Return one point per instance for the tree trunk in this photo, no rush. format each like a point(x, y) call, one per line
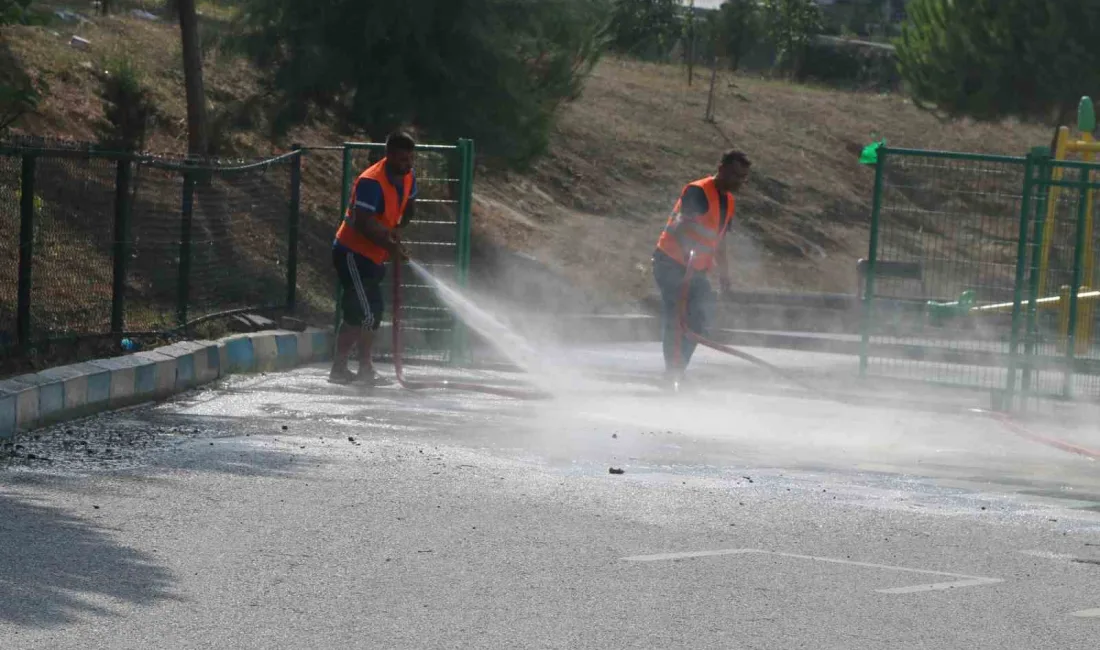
point(192, 74)
point(709, 116)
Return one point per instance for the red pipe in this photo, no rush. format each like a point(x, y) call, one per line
point(683, 330)
point(399, 366)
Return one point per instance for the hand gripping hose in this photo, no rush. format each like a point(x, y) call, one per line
point(683, 330)
point(399, 366)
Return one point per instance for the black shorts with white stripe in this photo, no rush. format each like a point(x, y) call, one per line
point(360, 288)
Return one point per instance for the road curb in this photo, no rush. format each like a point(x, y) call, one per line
point(81, 389)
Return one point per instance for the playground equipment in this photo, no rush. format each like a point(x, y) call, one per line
point(1083, 310)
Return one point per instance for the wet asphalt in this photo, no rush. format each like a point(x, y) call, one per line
point(280, 511)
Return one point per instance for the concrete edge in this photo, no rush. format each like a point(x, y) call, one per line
point(81, 389)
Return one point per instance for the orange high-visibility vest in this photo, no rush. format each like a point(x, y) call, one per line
point(703, 234)
point(392, 211)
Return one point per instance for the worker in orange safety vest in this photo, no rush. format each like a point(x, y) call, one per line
point(383, 200)
point(699, 222)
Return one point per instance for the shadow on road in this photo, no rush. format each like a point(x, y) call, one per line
point(56, 568)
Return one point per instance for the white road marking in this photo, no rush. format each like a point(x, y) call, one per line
point(1088, 613)
point(962, 580)
point(1046, 555)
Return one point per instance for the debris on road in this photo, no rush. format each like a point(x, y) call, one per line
point(615, 470)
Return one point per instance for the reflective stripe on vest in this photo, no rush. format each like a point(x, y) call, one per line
point(393, 208)
point(702, 234)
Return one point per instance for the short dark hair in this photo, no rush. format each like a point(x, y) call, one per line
point(735, 156)
point(400, 141)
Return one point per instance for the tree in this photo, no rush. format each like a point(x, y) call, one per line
point(192, 76)
point(989, 59)
point(494, 70)
point(739, 28)
point(791, 24)
point(13, 11)
point(647, 29)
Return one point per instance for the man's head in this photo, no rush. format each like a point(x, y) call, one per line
point(733, 170)
point(399, 153)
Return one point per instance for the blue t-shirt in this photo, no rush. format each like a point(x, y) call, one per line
point(369, 196)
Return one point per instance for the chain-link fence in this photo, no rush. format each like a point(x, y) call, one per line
point(979, 273)
point(96, 243)
point(106, 243)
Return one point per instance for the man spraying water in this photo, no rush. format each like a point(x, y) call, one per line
point(383, 201)
point(699, 222)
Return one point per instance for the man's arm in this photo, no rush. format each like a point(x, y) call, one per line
point(693, 204)
point(364, 216)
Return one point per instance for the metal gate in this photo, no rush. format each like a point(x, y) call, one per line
point(979, 272)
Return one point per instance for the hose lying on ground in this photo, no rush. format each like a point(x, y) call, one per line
point(683, 330)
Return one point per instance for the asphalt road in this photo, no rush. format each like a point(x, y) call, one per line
point(282, 512)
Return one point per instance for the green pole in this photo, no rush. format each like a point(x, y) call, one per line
point(1046, 171)
point(1018, 285)
point(183, 288)
point(872, 257)
point(26, 251)
point(121, 253)
point(345, 194)
point(292, 229)
point(459, 344)
point(1075, 284)
point(466, 216)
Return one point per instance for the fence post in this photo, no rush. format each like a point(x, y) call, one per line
point(121, 252)
point(872, 257)
point(1075, 285)
point(1018, 286)
point(183, 289)
point(465, 215)
point(1045, 175)
point(26, 251)
point(292, 229)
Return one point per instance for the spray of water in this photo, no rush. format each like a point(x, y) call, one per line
point(549, 376)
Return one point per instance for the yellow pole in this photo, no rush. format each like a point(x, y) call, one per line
point(1087, 156)
point(1084, 321)
point(1086, 309)
point(1063, 318)
point(1052, 207)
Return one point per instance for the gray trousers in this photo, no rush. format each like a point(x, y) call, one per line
point(669, 276)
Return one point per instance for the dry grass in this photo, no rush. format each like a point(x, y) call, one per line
point(590, 210)
point(595, 205)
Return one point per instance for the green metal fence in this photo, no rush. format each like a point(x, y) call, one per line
point(975, 268)
point(96, 243)
point(438, 239)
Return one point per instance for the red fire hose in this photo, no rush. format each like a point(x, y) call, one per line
point(683, 330)
point(399, 366)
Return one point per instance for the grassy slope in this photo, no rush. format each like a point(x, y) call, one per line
point(623, 151)
point(591, 210)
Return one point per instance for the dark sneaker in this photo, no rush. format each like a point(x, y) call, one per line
point(370, 377)
point(341, 375)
